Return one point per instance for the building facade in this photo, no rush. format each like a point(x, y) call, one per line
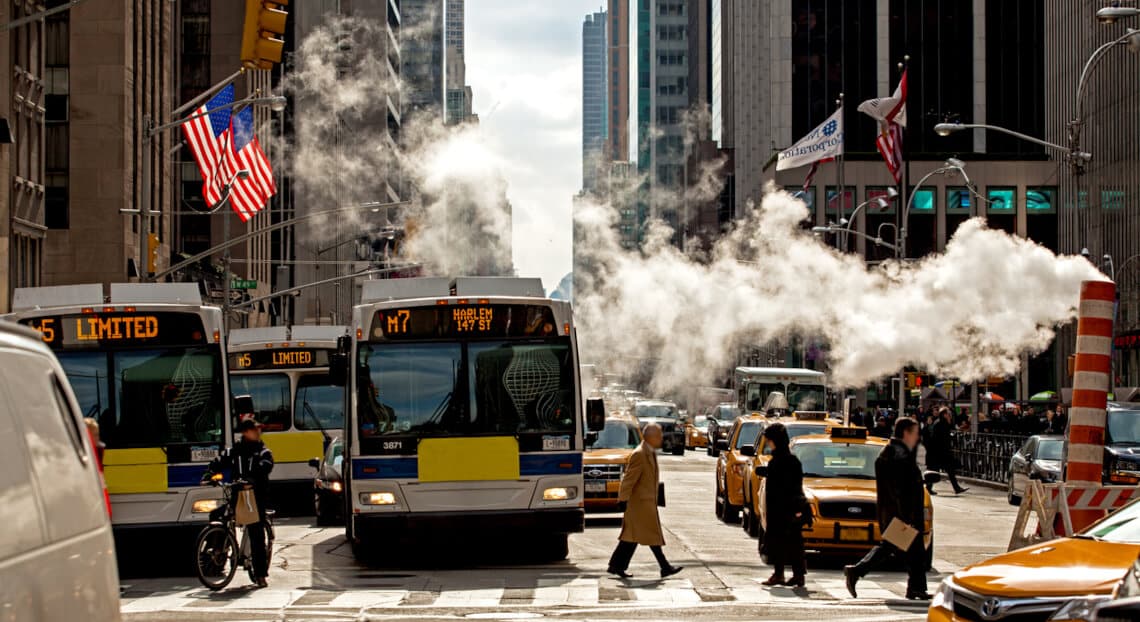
point(424, 57)
point(618, 81)
point(664, 135)
point(595, 99)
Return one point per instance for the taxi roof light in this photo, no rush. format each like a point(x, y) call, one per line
point(849, 433)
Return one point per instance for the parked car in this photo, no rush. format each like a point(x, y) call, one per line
point(1038, 458)
point(696, 432)
point(328, 485)
point(664, 414)
point(720, 419)
point(57, 556)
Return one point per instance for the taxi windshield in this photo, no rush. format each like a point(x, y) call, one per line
point(749, 434)
point(700, 421)
point(1121, 526)
point(853, 461)
point(617, 435)
point(726, 413)
point(655, 411)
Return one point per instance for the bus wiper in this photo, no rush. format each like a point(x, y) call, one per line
point(308, 410)
point(441, 409)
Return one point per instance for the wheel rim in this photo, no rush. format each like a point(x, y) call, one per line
point(215, 556)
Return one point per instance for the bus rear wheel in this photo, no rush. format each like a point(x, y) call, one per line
point(554, 548)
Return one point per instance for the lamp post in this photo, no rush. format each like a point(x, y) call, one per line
point(946, 129)
point(150, 130)
point(951, 165)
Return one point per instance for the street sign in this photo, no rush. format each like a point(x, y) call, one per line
point(243, 284)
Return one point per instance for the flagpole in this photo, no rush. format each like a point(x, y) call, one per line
point(840, 175)
point(906, 168)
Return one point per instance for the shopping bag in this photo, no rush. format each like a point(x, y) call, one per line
point(245, 510)
point(899, 534)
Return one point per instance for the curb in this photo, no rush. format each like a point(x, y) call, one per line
point(984, 483)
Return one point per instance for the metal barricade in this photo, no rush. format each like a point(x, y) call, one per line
point(985, 456)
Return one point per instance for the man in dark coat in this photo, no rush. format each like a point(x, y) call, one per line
point(899, 492)
point(940, 452)
point(783, 540)
point(250, 460)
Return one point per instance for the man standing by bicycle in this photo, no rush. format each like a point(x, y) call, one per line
point(250, 460)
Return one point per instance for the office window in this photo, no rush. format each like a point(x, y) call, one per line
point(1001, 200)
point(923, 201)
point(938, 35)
point(1112, 199)
point(833, 53)
point(959, 200)
point(1015, 74)
point(1041, 200)
point(807, 197)
point(832, 193)
point(56, 212)
point(874, 192)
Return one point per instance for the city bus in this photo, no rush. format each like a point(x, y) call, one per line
point(147, 364)
point(285, 370)
point(465, 413)
point(805, 389)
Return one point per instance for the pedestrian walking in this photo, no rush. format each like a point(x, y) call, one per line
point(250, 460)
point(898, 489)
point(638, 495)
point(785, 502)
point(940, 451)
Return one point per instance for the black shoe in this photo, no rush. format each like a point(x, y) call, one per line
point(852, 579)
point(669, 571)
point(961, 490)
point(796, 581)
point(262, 582)
point(621, 573)
point(776, 579)
point(918, 596)
point(932, 493)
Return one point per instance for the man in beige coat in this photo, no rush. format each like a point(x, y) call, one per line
point(640, 523)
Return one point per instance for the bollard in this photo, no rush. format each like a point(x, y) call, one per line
point(1085, 457)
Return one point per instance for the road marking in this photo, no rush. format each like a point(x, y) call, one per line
point(361, 599)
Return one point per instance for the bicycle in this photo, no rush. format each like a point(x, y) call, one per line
point(217, 550)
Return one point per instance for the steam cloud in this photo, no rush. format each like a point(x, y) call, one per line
point(458, 221)
point(968, 312)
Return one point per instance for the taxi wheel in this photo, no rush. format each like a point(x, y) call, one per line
point(719, 511)
point(731, 512)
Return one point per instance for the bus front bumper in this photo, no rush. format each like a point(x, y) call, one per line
point(561, 520)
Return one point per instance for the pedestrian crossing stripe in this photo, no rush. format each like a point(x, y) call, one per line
point(598, 592)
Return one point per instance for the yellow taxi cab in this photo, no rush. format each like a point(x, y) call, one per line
point(696, 432)
point(839, 482)
point(731, 463)
point(800, 424)
point(604, 461)
point(1062, 579)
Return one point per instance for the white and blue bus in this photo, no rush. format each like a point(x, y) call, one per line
point(285, 371)
point(465, 413)
point(148, 364)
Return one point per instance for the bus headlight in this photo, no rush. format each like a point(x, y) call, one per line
point(336, 487)
point(377, 498)
point(205, 506)
point(560, 493)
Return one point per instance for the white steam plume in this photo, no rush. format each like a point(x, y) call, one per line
point(968, 312)
point(348, 150)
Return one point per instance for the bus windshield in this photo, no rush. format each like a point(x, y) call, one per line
point(150, 397)
point(757, 394)
point(270, 394)
point(319, 404)
point(805, 396)
point(465, 388)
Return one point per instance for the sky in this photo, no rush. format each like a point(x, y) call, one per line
point(525, 70)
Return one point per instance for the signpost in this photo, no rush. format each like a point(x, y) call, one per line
point(243, 284)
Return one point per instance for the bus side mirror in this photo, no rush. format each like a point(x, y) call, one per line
point(338, 361)
point(595, 414)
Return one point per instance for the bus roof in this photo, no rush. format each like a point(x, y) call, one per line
point(384, 290)
point(278, 334)
point(786, 372)
point(91, 294)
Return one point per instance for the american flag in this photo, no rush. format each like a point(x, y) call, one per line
point(889, 143)
point(891, 114)
point(223, 144)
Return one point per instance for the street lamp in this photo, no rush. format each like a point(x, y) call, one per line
point(838, 229)
point(1131, 38)
point(1109, 14)
point(952, 165)
point(881, 201)
point(946, 129)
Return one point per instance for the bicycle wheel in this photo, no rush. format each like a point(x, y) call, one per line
point(216, 553)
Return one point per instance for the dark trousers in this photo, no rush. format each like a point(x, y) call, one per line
point(257, 548)
point(624, 552)
point(914, 558)
point(952, 475)
point(790, 553)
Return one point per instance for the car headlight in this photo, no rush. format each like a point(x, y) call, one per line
point(561, 493)
point(336, 487)
point(1079, 608)
point(377, 498)
point(205, 506)
point(944, 597)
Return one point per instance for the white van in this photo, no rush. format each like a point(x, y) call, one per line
point(57, 555)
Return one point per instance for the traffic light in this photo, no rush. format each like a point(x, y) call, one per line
point(261, 37)
point(152, 252)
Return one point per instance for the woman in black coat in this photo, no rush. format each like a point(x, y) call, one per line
point(783, 510)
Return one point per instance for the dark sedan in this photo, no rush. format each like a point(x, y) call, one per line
point(720, 421)
point(328, 485)
point(1039, 458)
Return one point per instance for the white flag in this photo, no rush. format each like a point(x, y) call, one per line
point(825, 141)
point(888, 109)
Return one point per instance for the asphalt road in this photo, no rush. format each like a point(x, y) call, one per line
point(314, 576)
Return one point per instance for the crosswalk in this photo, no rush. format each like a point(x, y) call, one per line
point(563, 592)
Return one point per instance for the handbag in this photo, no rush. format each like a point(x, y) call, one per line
point(661, 494)
point(245, 508)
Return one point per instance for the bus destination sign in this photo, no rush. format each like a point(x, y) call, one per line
point(278, 358)
point(457, 321)
point(93, 330)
